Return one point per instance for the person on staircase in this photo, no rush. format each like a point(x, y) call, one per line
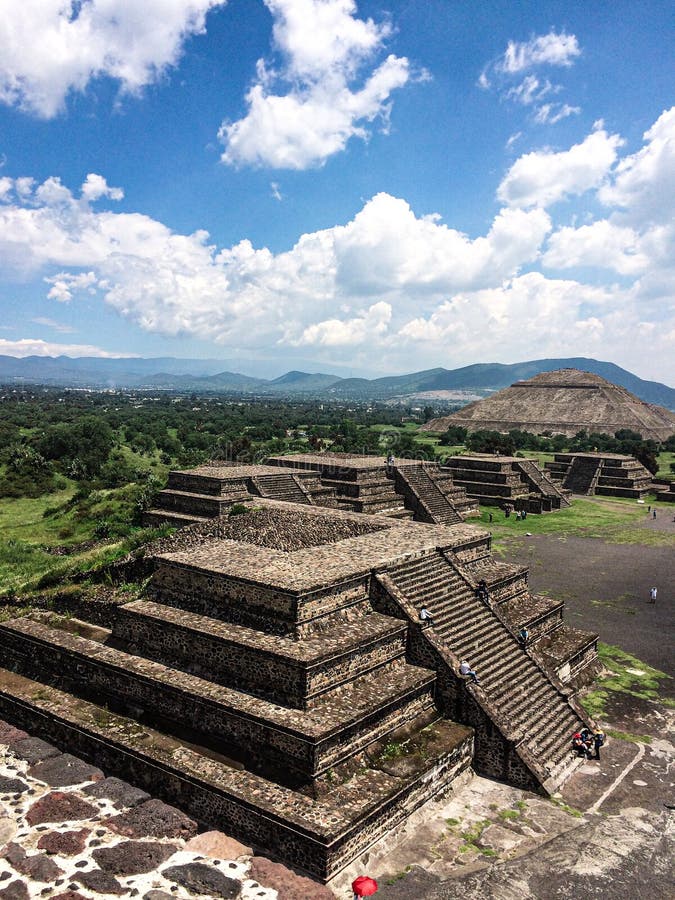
point(425, 616)
point(482, 592)
point(523, 636)
point(465, 669)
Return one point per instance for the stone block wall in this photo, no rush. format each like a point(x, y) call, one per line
point(189, 642)
point(231, 725)
point(253, 604)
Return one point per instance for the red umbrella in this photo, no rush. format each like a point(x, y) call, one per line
point(363, 886)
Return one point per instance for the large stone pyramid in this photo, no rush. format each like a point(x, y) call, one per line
point(562, 402)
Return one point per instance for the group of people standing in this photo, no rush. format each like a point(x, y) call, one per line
point(587, 743)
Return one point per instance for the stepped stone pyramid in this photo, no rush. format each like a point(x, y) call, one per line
point(507, 481)
point(365, 484)
point(610, 474)
point(562, 402)
point(278, 656)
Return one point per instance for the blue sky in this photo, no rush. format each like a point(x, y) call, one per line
point(368, 187)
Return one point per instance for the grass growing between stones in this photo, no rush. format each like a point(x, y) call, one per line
point(615, 521)
point(627, 675)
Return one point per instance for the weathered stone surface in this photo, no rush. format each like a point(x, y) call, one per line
point(65, 843)
point(63, 770)
point(68, 895)
point(289, 885)
point(15, 890)
point(158, 895)
point(496, 837)
point(7, 830)
point(133, 857)
point(217, 845)
point(9, 734)
point(12, 785)
point(58, 806)
point(118, 792)
point(200, 879)
point(153, 819)
point(101, 882)
point(38, 867)
point(34, 750)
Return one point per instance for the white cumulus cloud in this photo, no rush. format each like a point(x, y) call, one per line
point(543, 177)
point(638, 236)
point(367, 326)
point(49, 48)
point(326, 101)
point(644, 183)
point(35, 347)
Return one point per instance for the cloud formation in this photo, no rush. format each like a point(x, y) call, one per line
point(544, 177)
point(557, 49)
point(389, 284)
point(34, 347)
point(49, 48)
point(552, 49)
point(306, 111)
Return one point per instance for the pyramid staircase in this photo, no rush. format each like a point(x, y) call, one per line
point(542, 483)
point(511, 681)
point(421, 490)
point(281, 487)
point(275, 734)
point(582, 475)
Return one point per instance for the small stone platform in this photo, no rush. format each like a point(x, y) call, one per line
point(507, 481)
point(608, 474)
point(364, 484)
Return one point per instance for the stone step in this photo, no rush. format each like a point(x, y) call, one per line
point(192, 503)
point(296, 744)
point(509, 678)
point(156, 516)
point(318, 836)
point(286, 671)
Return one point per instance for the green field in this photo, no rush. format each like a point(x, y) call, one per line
point(616, 520)
point(47, 538)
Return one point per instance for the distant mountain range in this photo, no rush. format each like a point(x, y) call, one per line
point(205, 376)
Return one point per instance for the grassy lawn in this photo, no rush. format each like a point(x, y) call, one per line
point(615, 520)
point(30, 528)
point(664, 460)
point(625, 675)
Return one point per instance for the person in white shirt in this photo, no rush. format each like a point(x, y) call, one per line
point(426, 617)
point(465, 669)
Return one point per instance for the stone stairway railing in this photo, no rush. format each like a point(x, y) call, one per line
point(582, 475)
point(535, 712)
point(417, 486)
point(537, 478)
point(281, 487)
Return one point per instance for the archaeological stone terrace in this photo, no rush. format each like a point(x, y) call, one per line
point(275, 680)
point(563, 402)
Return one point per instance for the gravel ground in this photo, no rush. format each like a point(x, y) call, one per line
point(605, 587)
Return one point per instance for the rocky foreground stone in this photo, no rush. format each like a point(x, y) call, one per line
point(68, 832)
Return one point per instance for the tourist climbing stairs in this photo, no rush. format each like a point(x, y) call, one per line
point(541, 482)
point(509, 677)
point(582, 475)
point(281, 487)
point(419, 486)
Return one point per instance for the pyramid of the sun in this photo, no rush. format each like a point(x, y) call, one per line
point(562, 402)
